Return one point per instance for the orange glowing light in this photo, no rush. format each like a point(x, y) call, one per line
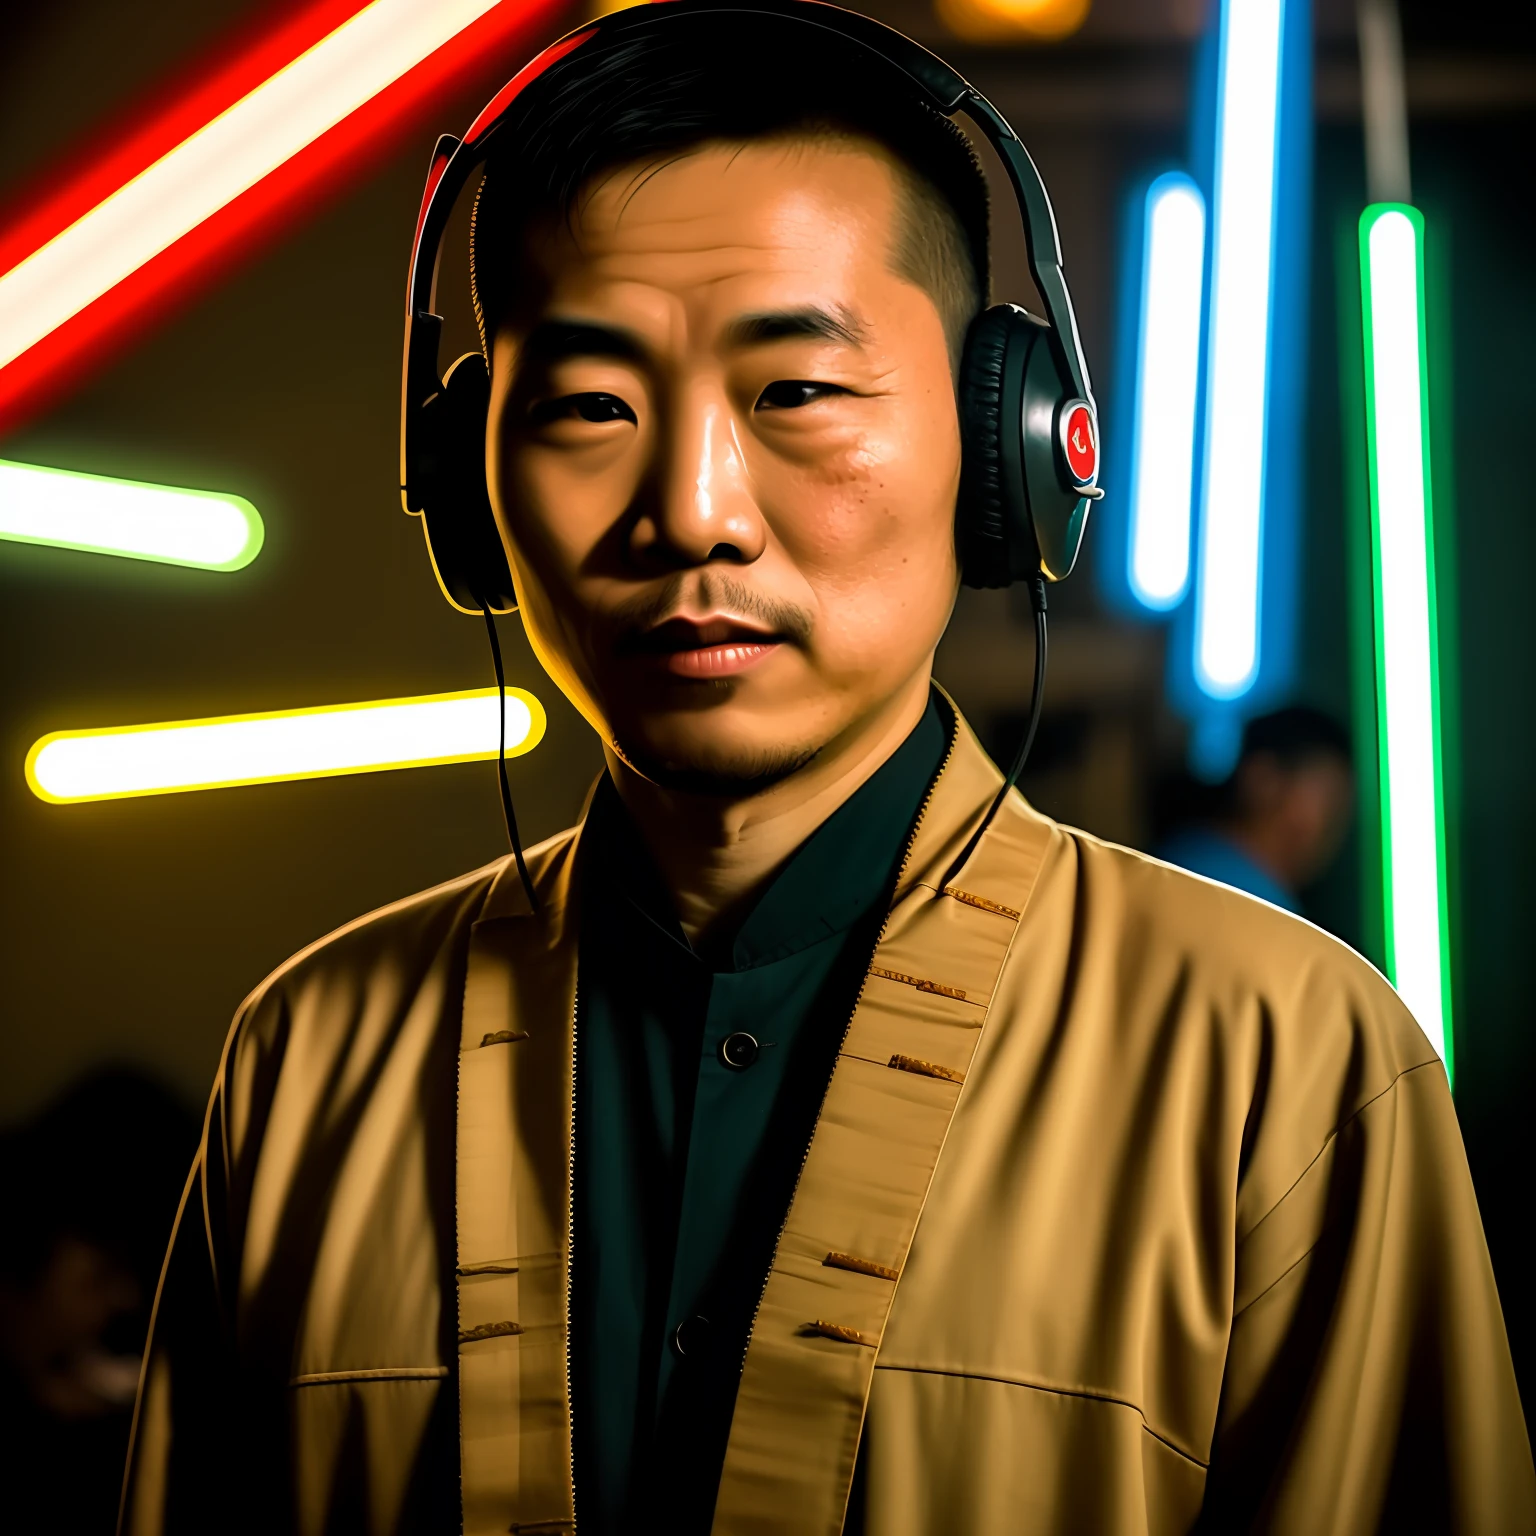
point(990, 21)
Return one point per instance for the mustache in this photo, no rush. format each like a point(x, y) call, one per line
point(633, 619)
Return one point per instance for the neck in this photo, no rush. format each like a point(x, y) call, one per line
point(717, 854)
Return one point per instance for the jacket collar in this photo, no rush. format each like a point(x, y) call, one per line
point(961, 793)
point(818, 1329)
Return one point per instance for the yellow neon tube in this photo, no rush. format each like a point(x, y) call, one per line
point(164, 523)
point(67, 767)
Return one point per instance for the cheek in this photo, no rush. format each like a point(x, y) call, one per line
point(557, 512)
point(1310, 812)
point(556, 508)
point(552, 625)
point(872, 532)
point(550, 529)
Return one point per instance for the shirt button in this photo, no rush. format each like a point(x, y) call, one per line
point(739, 1050)
point(691, 1338)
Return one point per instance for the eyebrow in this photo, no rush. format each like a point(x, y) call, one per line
point(551, 341)
point(810, 323)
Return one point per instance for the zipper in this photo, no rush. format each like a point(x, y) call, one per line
point(805, 1156)
point(570, 1260)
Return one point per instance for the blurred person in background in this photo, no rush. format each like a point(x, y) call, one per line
point(88, 1192)
point(1279, 821)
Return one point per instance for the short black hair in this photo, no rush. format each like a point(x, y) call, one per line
point(1295, 735)
point(732, 78)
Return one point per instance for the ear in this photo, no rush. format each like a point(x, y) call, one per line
point(462, 537)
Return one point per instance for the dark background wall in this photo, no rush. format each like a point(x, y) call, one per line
point(1467, 173)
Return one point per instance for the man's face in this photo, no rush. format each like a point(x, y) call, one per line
point(1301, 811)
point(1318, 806)
point(724, 456)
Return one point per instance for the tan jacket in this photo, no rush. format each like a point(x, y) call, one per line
point(1134, 1205)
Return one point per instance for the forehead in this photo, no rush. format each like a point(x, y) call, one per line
point(726, 227)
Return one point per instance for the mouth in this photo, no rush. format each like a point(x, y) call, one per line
point(705, 649)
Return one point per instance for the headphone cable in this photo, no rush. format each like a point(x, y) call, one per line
point(508, 814)
point(1021, 756)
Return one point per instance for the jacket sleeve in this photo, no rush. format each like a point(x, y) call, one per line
point(1368, 1383)
point(184, 1423)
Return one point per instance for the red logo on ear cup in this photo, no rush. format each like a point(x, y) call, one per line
point(1080, 441)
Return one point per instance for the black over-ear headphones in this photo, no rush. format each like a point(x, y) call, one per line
point(1029, 427)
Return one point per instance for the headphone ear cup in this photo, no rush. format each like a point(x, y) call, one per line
point(994, 533)
point(462, 537)
point(1058, 502)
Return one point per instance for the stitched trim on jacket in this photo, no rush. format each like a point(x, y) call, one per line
point(851, 1261)
point(1055, 1391)
point(842, 1333)
point(381, 1373)
point(503, 1037)
point(489, 1331)
point(920, 983)
point(981, 901)
point(925, 1068)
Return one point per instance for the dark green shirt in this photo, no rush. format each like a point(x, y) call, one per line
point(697, 1090)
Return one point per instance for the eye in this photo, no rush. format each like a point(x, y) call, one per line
point(790, 394)
point(586, 407)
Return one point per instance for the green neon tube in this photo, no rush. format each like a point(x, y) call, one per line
point(1412, 797)
point(208, 530)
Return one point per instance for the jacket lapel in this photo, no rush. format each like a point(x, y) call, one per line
point(894, 1088)
point(514, 1141)
point(893, 1092)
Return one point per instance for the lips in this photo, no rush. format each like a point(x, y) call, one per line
point(705, 649)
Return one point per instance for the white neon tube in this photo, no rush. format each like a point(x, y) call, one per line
point(1407, 672)
point(228, 156)
point(69, 766)
point(163, 523)
point(1167, 386)
point(1232, 493)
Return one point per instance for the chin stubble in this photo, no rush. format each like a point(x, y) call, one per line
point(726, 781)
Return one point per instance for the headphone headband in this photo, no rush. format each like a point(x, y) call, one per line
point(454, 161)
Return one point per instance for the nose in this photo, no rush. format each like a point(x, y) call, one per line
point(702, 507)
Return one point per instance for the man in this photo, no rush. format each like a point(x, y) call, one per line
point(1119, 1202)
point(1283, 813)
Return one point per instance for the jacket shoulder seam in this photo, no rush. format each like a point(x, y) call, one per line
point(1301, 1258)
point(1332, 1137)
point(445, 891)
point(1054, 1389)
point(390, 1373)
